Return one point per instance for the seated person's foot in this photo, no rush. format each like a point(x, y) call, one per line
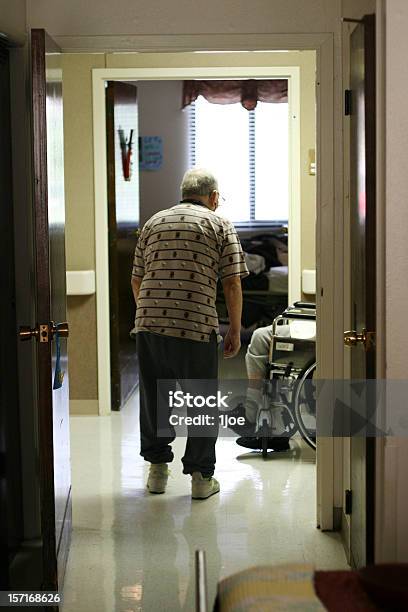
point(238, 412)
point(276, 444)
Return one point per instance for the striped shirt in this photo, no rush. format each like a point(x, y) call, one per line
point(180, 254)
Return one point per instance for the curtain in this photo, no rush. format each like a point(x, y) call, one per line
point(248, 92)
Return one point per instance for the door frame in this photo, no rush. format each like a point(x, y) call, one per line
point(100, 76)
point(120, 389)
point(329, 214)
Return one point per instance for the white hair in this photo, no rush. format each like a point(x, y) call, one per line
point(198, 181)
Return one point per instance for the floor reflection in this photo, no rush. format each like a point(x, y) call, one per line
point(134, 551)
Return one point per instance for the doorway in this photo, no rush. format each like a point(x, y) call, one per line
point(330, 317)
point(327, 222)
point(294, 229)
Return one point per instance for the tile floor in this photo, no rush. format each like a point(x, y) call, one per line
point(132, 551)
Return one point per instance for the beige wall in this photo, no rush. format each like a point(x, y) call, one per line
point(80, 224)
point(78, 145)
point(13, 19)
point(80, 205)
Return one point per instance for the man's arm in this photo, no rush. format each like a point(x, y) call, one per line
point(233, 298)
point(136, 282)
point(138, 265)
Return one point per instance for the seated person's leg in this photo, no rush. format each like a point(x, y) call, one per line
point(256, 360)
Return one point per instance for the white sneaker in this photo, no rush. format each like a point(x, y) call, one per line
point(158, 475)
point(201, 488)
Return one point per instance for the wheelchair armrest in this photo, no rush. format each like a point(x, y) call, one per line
point(305, 305)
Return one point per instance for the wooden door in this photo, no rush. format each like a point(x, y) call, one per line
point(123, 222)
point(50, 289)
point(363, 275)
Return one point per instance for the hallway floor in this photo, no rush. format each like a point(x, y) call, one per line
point(134, 551)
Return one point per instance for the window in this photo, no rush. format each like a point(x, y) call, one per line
point(248, 151)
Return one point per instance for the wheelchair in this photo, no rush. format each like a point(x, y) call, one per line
point(288, 386)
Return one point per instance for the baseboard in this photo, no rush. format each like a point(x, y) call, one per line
point(85, 406)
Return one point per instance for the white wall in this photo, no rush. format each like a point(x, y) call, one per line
point(159, 104)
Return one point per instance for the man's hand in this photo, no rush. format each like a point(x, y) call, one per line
point(232, 343)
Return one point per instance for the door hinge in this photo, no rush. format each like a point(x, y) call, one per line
point(348, 501)
point(347, 102)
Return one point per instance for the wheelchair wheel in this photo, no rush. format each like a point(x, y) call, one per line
point(304, 403)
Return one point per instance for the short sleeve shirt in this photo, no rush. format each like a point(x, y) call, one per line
point(180, 254)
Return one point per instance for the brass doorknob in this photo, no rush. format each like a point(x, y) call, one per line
point(40, 333)
point(62, 328)
point(353, 338)
point(26, 332)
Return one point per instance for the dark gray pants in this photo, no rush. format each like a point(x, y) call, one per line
point(165, 357)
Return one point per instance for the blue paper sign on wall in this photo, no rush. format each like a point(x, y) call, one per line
point(151, 153)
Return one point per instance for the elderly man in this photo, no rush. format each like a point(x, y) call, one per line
point(179, 256)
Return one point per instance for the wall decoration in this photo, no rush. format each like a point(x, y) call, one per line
point(126, 147)
point(150, 152)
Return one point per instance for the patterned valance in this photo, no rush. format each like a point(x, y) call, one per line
point(247, 91)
